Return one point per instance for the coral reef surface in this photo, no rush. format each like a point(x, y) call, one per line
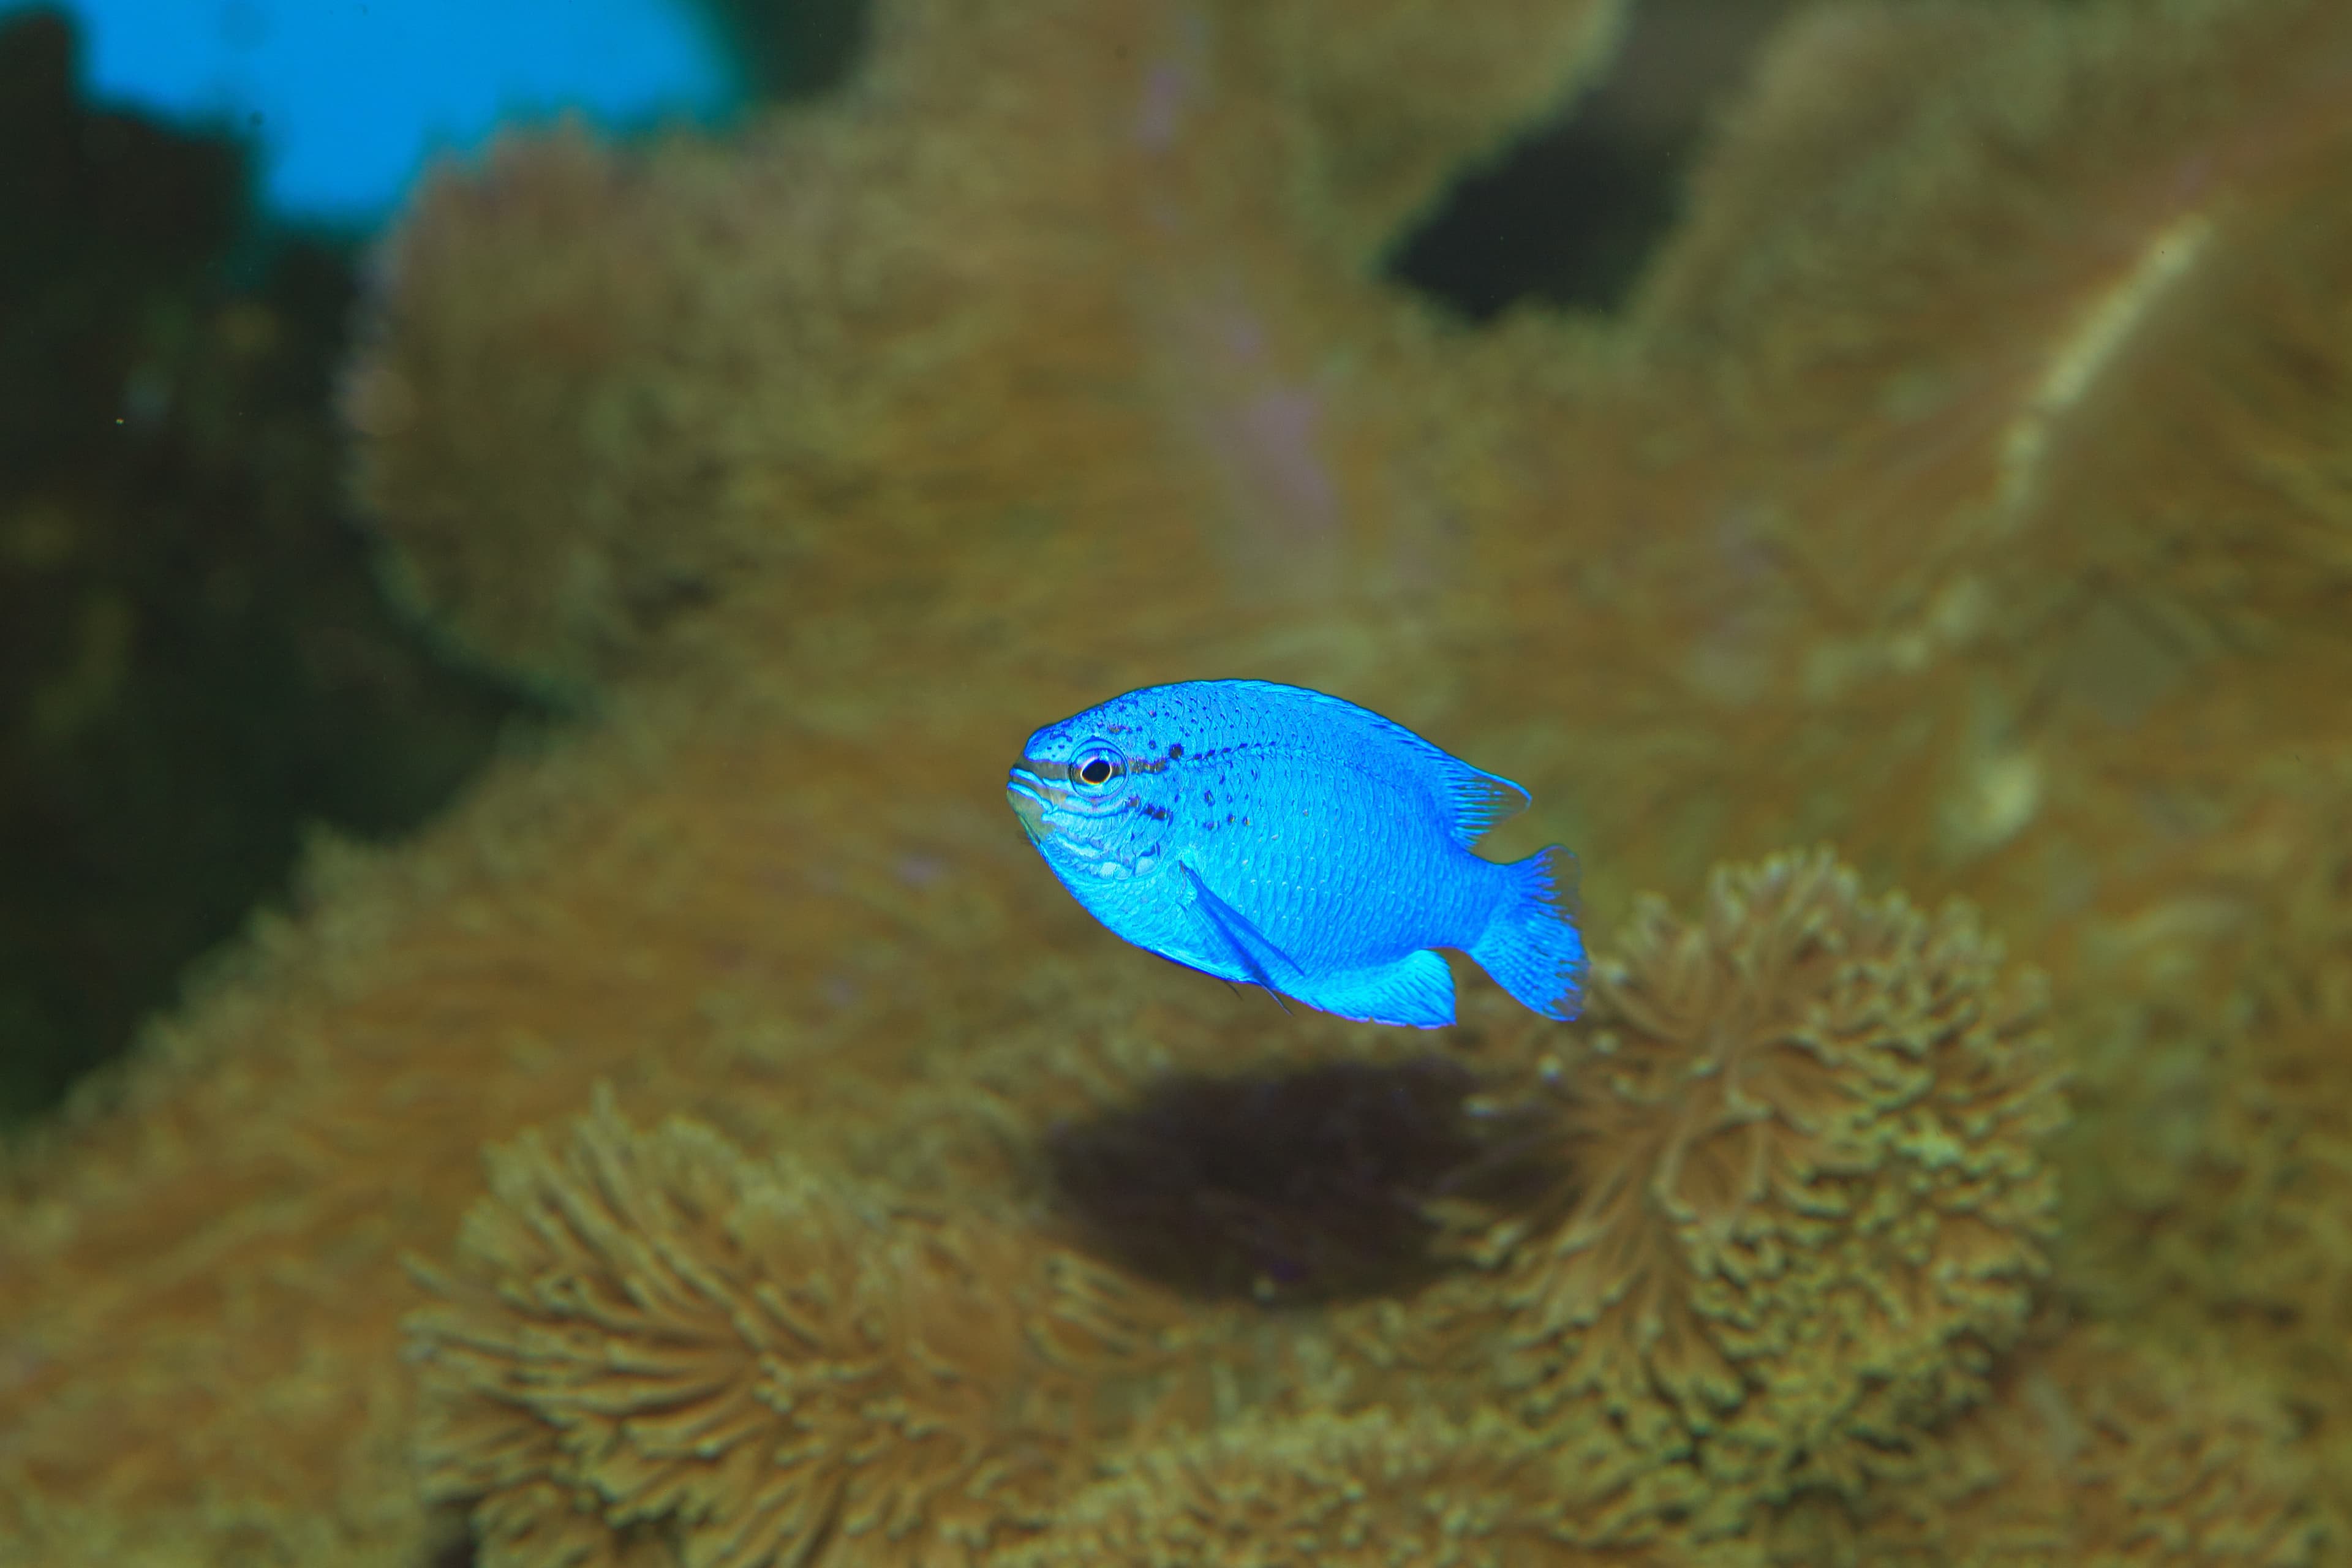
point(1962, 486)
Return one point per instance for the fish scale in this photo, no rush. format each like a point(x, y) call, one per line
point(1276, 836)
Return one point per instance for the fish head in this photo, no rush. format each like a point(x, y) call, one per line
point(1090, 798)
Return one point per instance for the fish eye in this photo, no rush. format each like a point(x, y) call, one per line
point(1095, 767)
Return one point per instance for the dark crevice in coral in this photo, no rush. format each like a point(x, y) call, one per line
point(1312, 1186)
point(793, 49)
point(1571, 214)
point(1569, 217)
point(195, 660)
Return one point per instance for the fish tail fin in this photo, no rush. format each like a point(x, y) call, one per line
point(1532, 947)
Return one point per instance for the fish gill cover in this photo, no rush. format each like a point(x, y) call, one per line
point(1963, 487)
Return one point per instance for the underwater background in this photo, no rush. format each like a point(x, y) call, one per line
point(527, 1034)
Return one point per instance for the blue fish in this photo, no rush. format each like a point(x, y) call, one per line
point(1273, 835)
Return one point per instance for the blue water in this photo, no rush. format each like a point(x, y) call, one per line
point(346, 99)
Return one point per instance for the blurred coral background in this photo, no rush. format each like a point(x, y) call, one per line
point(1879, 471)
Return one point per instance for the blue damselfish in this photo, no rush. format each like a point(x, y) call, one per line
point(1275, 835)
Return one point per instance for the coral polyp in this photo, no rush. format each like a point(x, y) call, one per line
point(1809, 1202)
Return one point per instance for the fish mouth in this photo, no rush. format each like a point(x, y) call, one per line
point(1028, 793)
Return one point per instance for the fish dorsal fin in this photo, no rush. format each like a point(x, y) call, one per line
point(1476, 800)
point(1472, 799)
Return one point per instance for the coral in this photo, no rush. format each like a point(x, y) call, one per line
point(2090, 1451)
point(1373, 146)
point(1374, 1488)
point(2155, 440)
point(1795, 1198)
point(672, 375)
point(575, 453)
point(742, 1359)
point(1806, 1199)
point(1047, 359)
point(2221, 1176)
point(1980, 494)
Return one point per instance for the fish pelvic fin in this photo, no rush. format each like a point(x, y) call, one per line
point(1231, 929)
point(1531, 947)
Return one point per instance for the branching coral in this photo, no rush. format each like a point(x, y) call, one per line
point(646, 1333)
point(1807, 1199)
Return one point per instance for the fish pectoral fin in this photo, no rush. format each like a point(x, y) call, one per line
point(1415, 992)
point(1231, 929)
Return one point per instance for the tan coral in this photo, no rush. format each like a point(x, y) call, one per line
point(2094, 1451)
point(2200, 476)
point(650, 1335)
point(1967, 440)
point(1376, 1490)
point(1375, 146)
point(607, 389)
point(1716, 579)
point(708, 898)
point(1807, 1198)
point(2214, 1171)
point(543, 354)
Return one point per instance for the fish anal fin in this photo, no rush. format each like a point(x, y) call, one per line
point(1414, 992)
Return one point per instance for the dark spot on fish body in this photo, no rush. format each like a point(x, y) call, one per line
point(1176, 753)
point(1158, 813)
point(1208, 799)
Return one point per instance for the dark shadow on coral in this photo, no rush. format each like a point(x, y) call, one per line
point(1571, 214)
point(459, 1550)
point(1312, 1186)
